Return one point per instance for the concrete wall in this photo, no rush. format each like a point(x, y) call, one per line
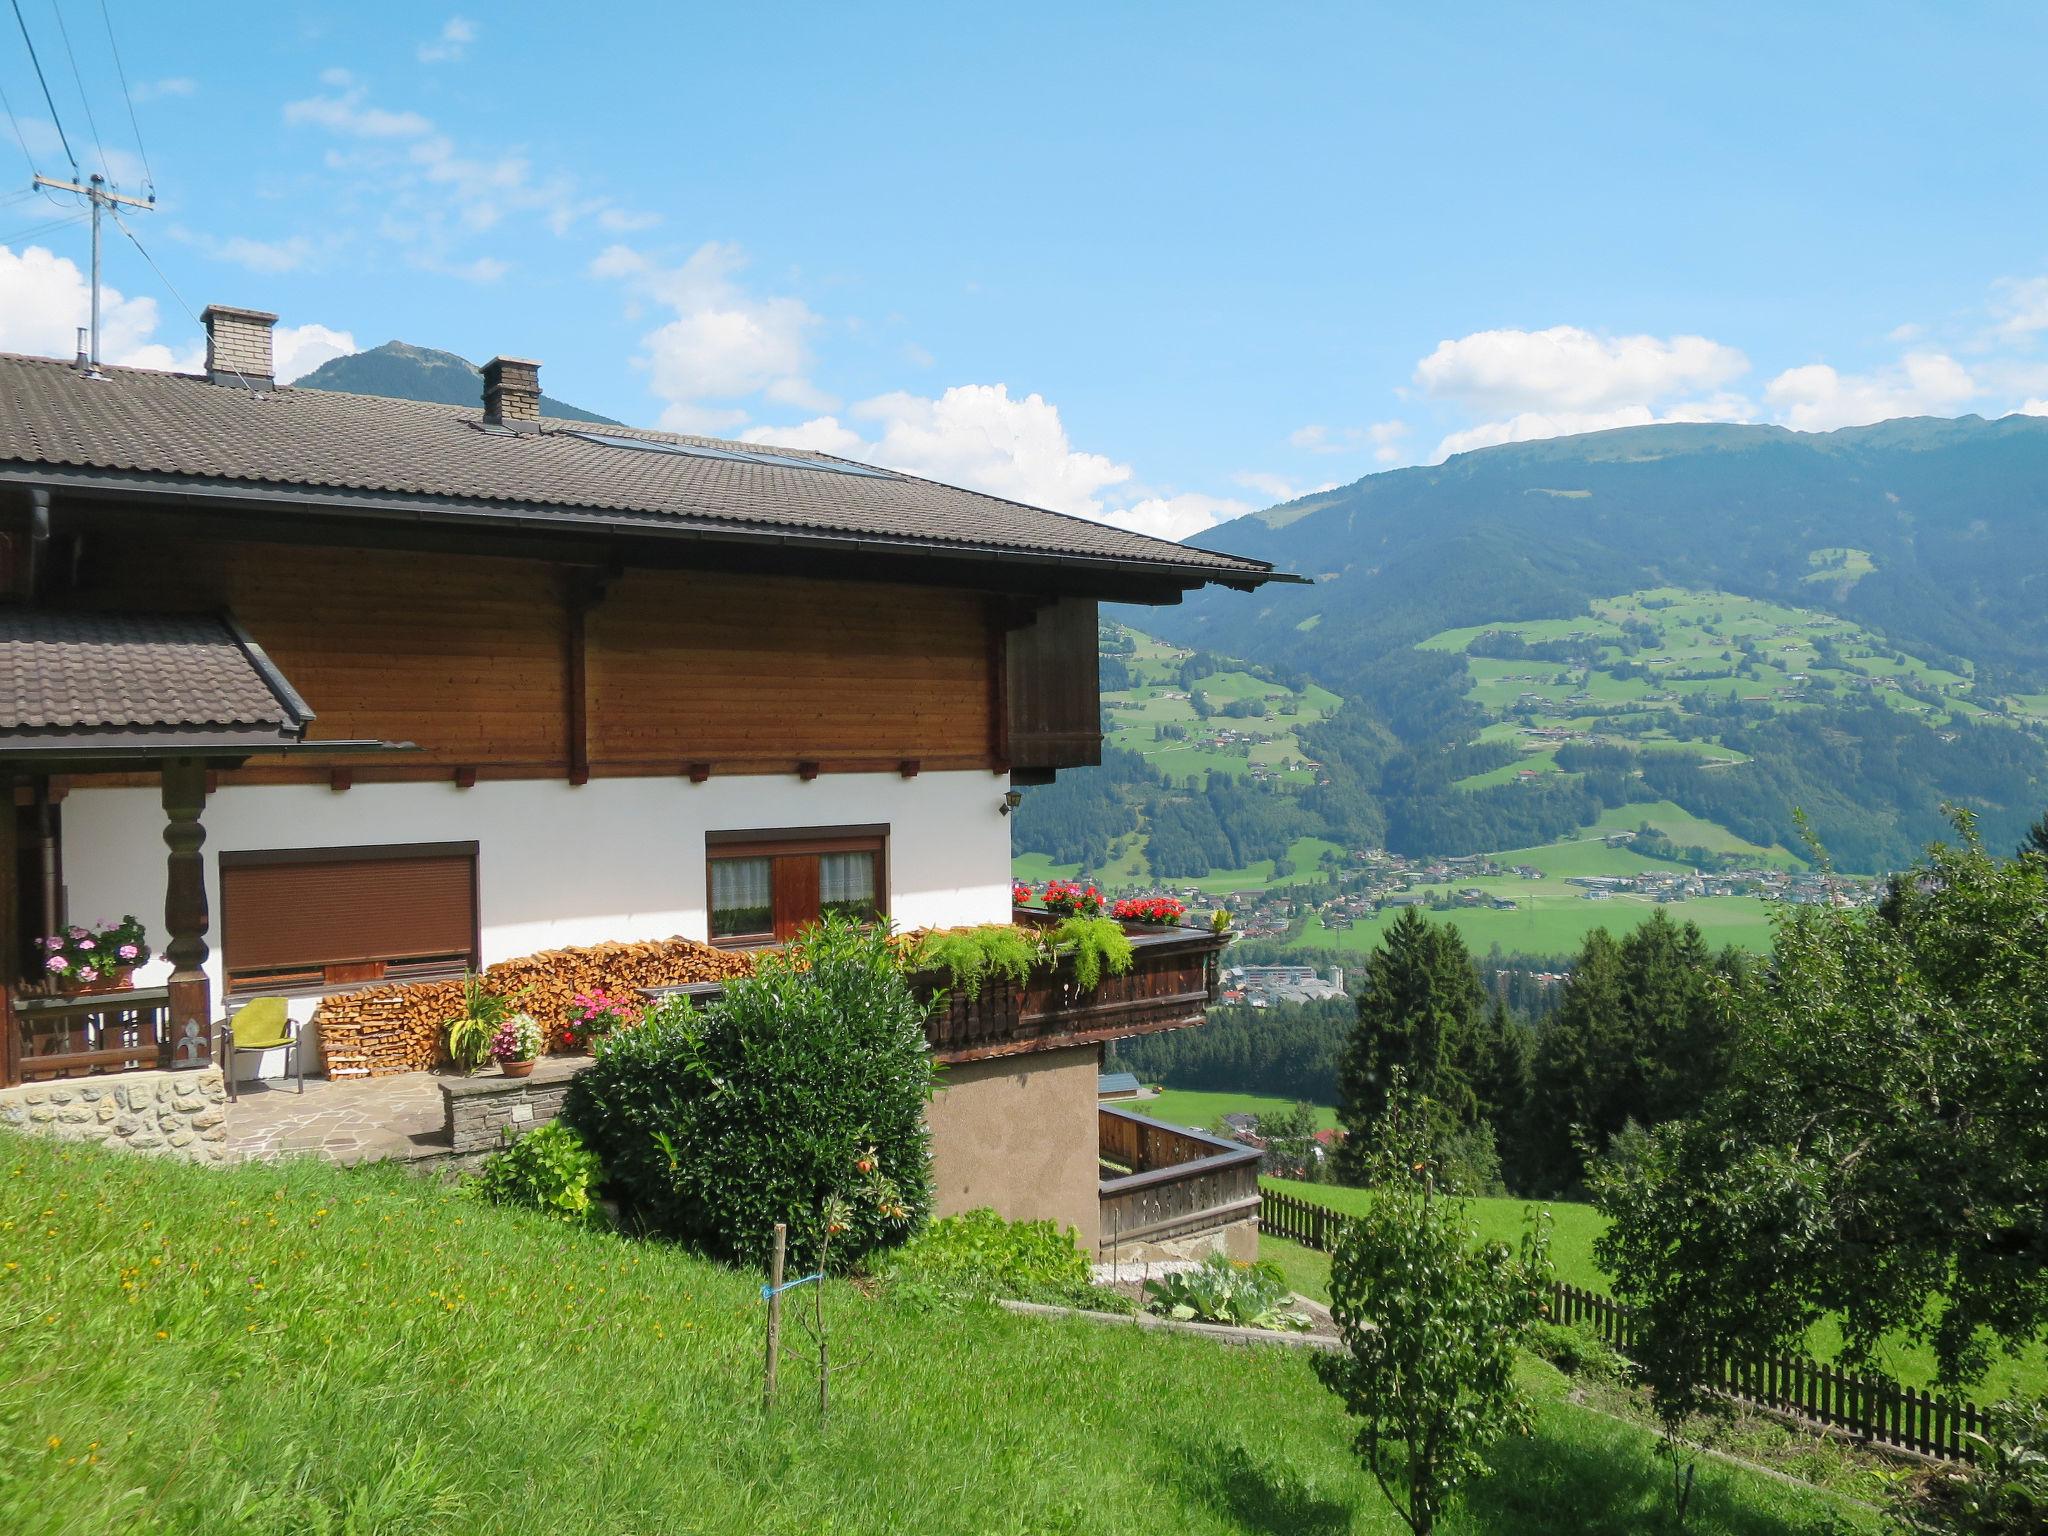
point(1019, 1134)
point(175, 1114)
point(560, 864)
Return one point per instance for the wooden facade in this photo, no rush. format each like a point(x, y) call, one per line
point(501, 667)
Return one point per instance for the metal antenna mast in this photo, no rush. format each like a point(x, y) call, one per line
point(95, 192)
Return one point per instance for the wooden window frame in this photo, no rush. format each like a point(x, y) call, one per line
point(252, 858)
point(783, 842)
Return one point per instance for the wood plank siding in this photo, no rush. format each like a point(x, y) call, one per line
point(477, 661)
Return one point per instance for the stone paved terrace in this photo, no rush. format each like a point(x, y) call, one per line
point(365, 1120)
point(350, 1121)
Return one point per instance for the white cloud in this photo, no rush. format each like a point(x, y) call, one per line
point(1567, 369)
point(347, 114)
point(977, 435)
point(2033, 408)
point(266, 256)
point(699, 420)
point(1816, 398)
point(1177, 517)
point(625, 221)
point(453, 41)
point(162, 90)
point(44, 298)
point(1383, 437)
point(723, 341)
point(822, 434)
point(296, 350)
point(2020, 307)
point(1278, 488)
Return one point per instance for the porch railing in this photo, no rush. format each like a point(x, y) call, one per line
point(1180, 1182)
point(48, 1037)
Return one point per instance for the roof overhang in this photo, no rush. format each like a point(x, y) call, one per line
point(196, 492)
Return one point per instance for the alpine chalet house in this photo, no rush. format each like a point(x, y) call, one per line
point(333, 689)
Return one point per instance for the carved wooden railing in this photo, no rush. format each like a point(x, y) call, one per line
point(1173, 979)
point(72, 1036)
point(1181, 1182)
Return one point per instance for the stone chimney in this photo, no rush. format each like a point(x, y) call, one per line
point(238, 346)
point(512, 394)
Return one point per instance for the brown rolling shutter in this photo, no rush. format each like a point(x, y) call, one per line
point(346, 915)
point(1054, 693)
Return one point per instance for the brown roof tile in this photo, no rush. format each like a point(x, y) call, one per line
point(64, 673)
point(150, 423)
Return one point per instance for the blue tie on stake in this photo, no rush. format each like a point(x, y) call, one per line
point(770, 1291)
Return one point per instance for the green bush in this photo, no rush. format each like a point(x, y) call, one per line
point(548, 1169)
point(977, 1255)
point(2005, 1493)
point(1577, 1351)
point(798, 1097)
point(1222, 1290)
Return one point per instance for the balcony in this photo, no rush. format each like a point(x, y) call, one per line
point(1168, 1192)
point(54, 1037)
point(1171, 983)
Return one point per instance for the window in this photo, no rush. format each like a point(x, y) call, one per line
point(304, 919)
point(767, 886)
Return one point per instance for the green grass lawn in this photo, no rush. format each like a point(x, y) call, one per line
point(1556, 921)
point(1183, 1106)
point(303, 1348)
point(1574, 1227)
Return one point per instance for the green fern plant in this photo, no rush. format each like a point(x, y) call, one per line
point(1097, 944)
point(972, 957)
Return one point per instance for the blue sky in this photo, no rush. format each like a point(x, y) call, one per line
point(1159, 264)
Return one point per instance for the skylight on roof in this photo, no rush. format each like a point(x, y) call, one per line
point(734, 455)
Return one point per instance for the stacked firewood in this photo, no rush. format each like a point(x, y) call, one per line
point(403, 1027)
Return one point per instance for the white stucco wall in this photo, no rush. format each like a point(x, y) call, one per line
point(561, 864)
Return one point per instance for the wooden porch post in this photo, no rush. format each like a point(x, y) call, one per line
point(188, 1041)
point(10, 935)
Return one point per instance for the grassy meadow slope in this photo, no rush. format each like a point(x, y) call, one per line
point(303, 1348)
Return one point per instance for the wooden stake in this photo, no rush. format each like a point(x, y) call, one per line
point(774, 1313)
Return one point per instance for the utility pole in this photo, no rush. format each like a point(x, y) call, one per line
point(95, 192)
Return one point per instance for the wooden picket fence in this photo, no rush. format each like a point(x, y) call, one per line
point(1870, 1408)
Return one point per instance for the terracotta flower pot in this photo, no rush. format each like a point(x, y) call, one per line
point(516, 1068)
point(121, 981)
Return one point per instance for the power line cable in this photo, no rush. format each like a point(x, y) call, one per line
point(19, 137)
point(149, 176)
point(49, 100)
point(79, 80)
point(169, 286)
point(36, 230)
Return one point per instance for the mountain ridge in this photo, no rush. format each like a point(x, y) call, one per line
point(400, 370)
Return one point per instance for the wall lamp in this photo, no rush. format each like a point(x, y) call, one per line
point(1011, 800)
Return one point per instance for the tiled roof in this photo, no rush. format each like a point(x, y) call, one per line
point(310, 441)
point(66, 674)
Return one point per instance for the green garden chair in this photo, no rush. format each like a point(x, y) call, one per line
point(261, 1024)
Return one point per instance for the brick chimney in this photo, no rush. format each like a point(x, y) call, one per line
point(512, 394)
point(238, 346)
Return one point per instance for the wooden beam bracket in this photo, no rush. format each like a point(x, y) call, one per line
point(698, 772)
point(910, 767)
point(339, 779)
point(465, 776)
point(806, 770)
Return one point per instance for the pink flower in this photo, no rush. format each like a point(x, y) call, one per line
point(128, 951)
point(56, 963)
point(87, 944)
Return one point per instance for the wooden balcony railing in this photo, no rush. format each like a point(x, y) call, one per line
point(1180, 1182)
point(1174, 977)
point(48, 1037)
point(1171, 983)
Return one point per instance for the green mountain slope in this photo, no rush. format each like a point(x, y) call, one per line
point(400, 371)
point(1950, 519)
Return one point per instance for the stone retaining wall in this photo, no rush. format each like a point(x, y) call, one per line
point(172, 1114)
point(482, 1110)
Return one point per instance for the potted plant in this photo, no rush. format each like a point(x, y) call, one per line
point(1070, 898)
point(516, 1045)
point(1020, 894)
point(472, 1032)
point(1150, 911)
point(595, 1015)
point(82, 961)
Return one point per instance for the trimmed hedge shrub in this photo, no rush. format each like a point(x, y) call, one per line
point(797, 1097)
